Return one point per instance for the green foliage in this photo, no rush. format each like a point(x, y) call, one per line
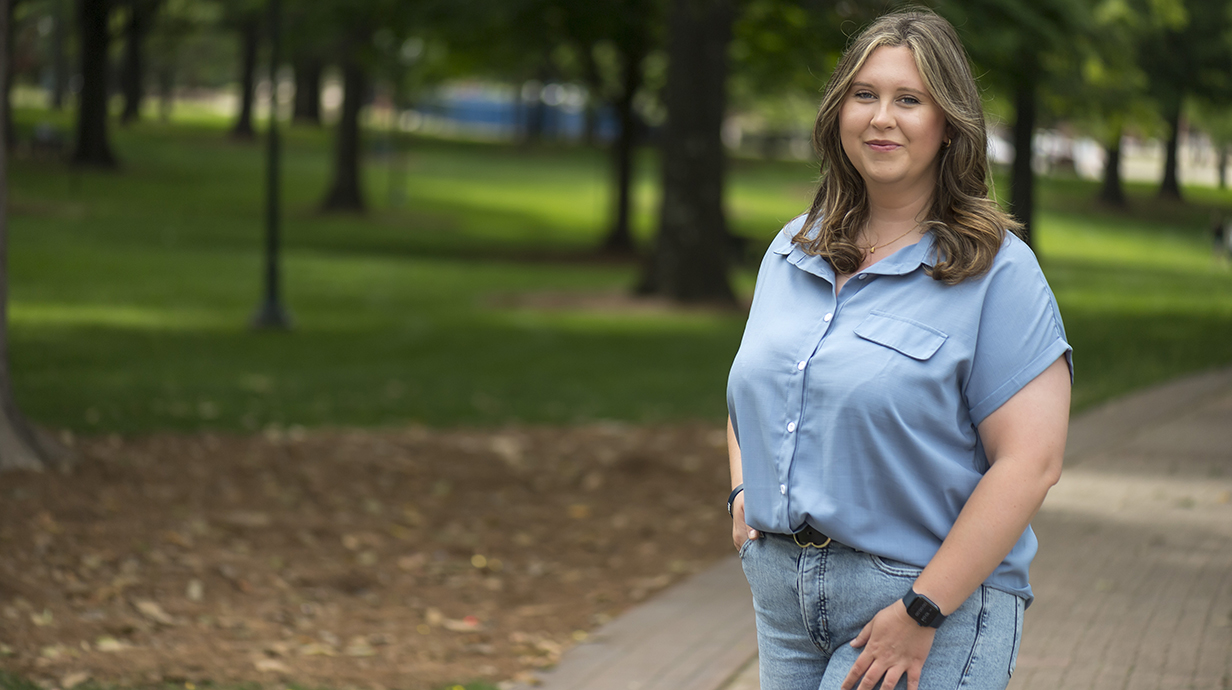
point(474, 303)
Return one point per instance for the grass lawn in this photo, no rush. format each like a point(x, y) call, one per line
point(131, 291)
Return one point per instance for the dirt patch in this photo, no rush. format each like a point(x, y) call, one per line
point(389, 559)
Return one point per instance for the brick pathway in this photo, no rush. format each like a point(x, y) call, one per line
point(1133, 581)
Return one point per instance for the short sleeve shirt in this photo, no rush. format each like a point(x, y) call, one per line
point(857, 412)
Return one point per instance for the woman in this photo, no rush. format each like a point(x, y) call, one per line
point(899, 404)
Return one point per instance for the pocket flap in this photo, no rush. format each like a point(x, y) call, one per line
point(904, 335)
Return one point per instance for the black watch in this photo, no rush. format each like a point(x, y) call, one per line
point(922, 610)
point(731, 499)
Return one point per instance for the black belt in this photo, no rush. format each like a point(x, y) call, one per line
point(807, 536)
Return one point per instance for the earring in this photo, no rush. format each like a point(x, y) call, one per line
point(947, 143)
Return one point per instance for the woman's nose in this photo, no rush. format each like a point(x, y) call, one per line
point(883, 118)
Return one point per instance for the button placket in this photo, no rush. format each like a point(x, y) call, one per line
point(796, 403)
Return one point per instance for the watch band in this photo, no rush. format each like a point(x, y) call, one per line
point(731, 500)
point(922, 610)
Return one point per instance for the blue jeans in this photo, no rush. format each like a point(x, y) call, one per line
point(812, 602)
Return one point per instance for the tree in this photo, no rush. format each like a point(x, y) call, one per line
point(1015, 41)
point(93, 147)
point(357, 27)
point(10, 137)
point(610, 40)
point(690, 259)
point(346, 191)
point(59, 56)
point(1104, 92)
point(1216, 120)
point(307, 105)
point(141, 14)
point(21, 445)
point(1191, 59)
point(247, 22)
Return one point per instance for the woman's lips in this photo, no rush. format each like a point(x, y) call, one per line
point(881, 146)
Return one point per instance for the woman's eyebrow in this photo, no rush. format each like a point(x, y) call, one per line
point(901, 89)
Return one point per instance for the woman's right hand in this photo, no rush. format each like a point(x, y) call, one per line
point(740, 531)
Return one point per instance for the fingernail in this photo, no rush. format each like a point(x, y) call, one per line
point(752, 534)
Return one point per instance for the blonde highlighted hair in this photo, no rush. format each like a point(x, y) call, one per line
point(967, 226)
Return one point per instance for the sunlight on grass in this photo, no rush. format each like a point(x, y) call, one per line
point(467, 296)
point(26, 314)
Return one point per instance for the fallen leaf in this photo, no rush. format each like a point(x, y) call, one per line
point(359, 647)
point(271, 666)
point(317, 649)
point(107, 643)
point(579, 511)
point(153, 611)
point(433, 616)
point(181, 540)
point(74, 679)
point(233, 576)
point(195, 590)
point(43, 619)
point(468, 624)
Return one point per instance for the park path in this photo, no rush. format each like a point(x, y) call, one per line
point(1133, 581)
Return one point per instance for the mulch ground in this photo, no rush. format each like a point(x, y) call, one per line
point(346, 559)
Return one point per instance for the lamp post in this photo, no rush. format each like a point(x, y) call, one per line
point(271, 315)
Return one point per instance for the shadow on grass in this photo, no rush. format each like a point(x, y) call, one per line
point(468, 374)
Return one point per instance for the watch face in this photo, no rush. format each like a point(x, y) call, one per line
point(923, 612)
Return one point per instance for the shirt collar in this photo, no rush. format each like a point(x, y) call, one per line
point(901, 262)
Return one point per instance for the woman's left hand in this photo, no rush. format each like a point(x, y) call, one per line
point(894, 646)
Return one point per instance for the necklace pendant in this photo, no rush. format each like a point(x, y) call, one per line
point(872, 250)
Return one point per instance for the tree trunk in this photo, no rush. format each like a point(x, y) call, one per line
point(250, 42)
point(620, 237)
point(59, 56)
point(22, 447)
point(10, 135)
point(93, 148)
point(132, 73)
point(346, 194)
point(307, 103)
point(1022, 176)
point(1170, 187)
point(166, 92)
point(690, 259)
point(537, 112)
point(594, 86)
point(1113, 192)
point(1222, 162)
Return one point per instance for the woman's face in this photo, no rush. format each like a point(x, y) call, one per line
point(891, 129)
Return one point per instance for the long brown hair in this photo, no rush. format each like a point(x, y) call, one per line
point(968, 227)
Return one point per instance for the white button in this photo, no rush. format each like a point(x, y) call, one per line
point(783, 489)
point(801, 365)
point(862, 276)
point(791, 426)
point(827, 317)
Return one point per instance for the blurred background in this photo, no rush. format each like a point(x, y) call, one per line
point(543, 211)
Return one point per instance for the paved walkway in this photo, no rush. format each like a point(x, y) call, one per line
point(1133, 581)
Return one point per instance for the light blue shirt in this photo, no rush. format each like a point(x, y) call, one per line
point(857, 412)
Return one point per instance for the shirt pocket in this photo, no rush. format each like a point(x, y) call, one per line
point(912, 338)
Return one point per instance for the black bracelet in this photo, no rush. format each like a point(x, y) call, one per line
point(732, 499)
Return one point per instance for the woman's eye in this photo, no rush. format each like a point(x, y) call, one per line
point(863, 95)
point(910, 100)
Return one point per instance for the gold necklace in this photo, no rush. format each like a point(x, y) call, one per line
point(873, 249)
